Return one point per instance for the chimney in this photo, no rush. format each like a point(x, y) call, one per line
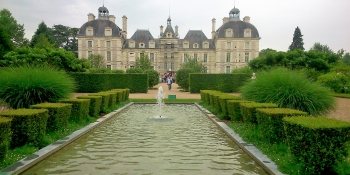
point(161, 30)
point(246, 19)
point(213, 22)
point(112, 18)
point(225, 20)
point(91, 17)
point(176, 29)
point(125, 26)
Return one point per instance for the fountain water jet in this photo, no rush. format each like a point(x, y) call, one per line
point(160, 97)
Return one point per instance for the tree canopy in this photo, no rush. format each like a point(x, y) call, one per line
point(14, 30)
point(297, 40)
point(143, 62)
point(44, 30)
point(193, 64)
point(5, 42)
point(96, 61)
point(65, 37)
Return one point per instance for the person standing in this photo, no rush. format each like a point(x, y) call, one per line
point(169, 81)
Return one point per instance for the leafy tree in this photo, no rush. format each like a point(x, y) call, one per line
point(134, 71)
point(346, 58)
point(183, 79)
point(96, 61)
point(265, 51)
point(322, 48)
point(65, 37)
point(14, 31)
point(5, 42)
point(297, 40)
point(43, 42)
point(42, 29)
point(143, 62)
point(193, 64)
point(153, 77)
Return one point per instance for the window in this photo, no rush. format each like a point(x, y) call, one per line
point(205, 45)
point(228, 45)
point(195, 56)
point(185, 57)
point(229, 33)
point(131, 56)
point(228, 57)
point(247, 45)
point(108, 56)
point(108, 32)
point(142, 45)
point(132, 67)
point(165, 56)
point(151, 57)
point(109, 67)
point(228, 69)
point(89, 31)
point(247, 33)
point(132, 45)
point(205, 70)
point(246, 57)
point(89, 43)
point(205, 57)
point(89, 53)
point(195, 45)
point(108, 43)
point(165, 65)
point(172, 56)
point(151, 45)
point(172, 66)
point(185, 45)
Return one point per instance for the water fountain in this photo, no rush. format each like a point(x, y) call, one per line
point(160, 97)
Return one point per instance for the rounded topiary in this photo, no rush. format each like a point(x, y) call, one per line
point(182, 78)
point(288, 89)
point(21, 87)
point(153, 77)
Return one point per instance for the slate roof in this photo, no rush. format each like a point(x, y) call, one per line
point(143, 36)
point(196, 36)
point(99, 28)
point(238, 27)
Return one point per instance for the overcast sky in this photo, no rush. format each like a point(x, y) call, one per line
point(324, 21)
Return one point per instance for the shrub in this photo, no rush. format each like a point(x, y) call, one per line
point(27, 125)
point(319, 142)
point(338, 82)
point(80, 109)
point(153, 77)
point(248, 110)
point(234, 109)
point(99, 70)
point(105, 101)
point(118, 71)
point(95, 104)
point(223, 104)
point(24, 86)
point(243, 70)
point(134, 71)
point(288, 89)
point(112, 98)
point(182, 78)
point(5, 136)
point(270, 122)
point(59, 114)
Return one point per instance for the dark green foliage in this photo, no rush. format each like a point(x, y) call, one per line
point(6, 44)
point(118, 71)
point(271, 124)
point(220, 82)
point(122, 94)
point(80, 109)
point(234, 109)
point(337, 81)
point(243, 70)
point(223, 104)
point(5, 136)
point(44, 31)
point(98, 63)
point(91, 83)
point(95, 104)
point(27, 125)
point(265, 51)
point(24, 86)
point(98, 71)
point(13, 30)
point(318, 142)
point(57, 58)
point(104, 102)
point(204, 95)
point(153, 77)
point(59, 114)
point(65, 37)
point(212, 95)
point(134, 71)
point(297, 40)
point(112, 98)
point(322, 48)
point(192, 63)
point(182, 78)
point(143, 62)
point(288, 89)
point(248, 110)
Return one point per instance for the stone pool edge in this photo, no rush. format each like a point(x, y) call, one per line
point(268, 165)
point(29, 161)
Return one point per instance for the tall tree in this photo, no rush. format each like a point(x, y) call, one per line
point(42, 29)
point(96, 61)
point(143, 62)
point(265, 51)
point(321, 48)
point(5, 42)
point(14, 31)
point(43, 42)
point(297, 40)
point(193, 64)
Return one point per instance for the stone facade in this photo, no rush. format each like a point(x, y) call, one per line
point(232, 46)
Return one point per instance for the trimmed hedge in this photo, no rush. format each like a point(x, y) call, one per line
point(27, 125)
point(220, 82)
point(95, 104)
point(319, 142)
point(80, 108)
point(112, 98)
point(92, 83)
point(211, 97)
point(270, 122)
point(125, 94)
point(248, 110)
point(234, 109)
point(105, 101)
point(59, 114)
point(5, 136)
point(223, 103)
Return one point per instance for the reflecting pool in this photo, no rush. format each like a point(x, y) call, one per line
point(186, 142)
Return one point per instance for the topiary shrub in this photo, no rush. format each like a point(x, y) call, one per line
point(21, 87)
point(288, 89)
point(118, 71)
point(183, 79)
point(5, 136)
point(95, 104)
point(134, 71)
point(153, 77)
point(338, 82)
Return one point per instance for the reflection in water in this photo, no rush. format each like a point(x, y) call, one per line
point(131, 144)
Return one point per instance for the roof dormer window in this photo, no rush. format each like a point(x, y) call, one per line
point(229, 32)
point(169, 35)
point(131, 44)
point(151, 45)
point(185, 45)
point(89, 31)
point(195, 45)
point(205, 45)
point(108, 31)
point(141, 45)
point(247, 33)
